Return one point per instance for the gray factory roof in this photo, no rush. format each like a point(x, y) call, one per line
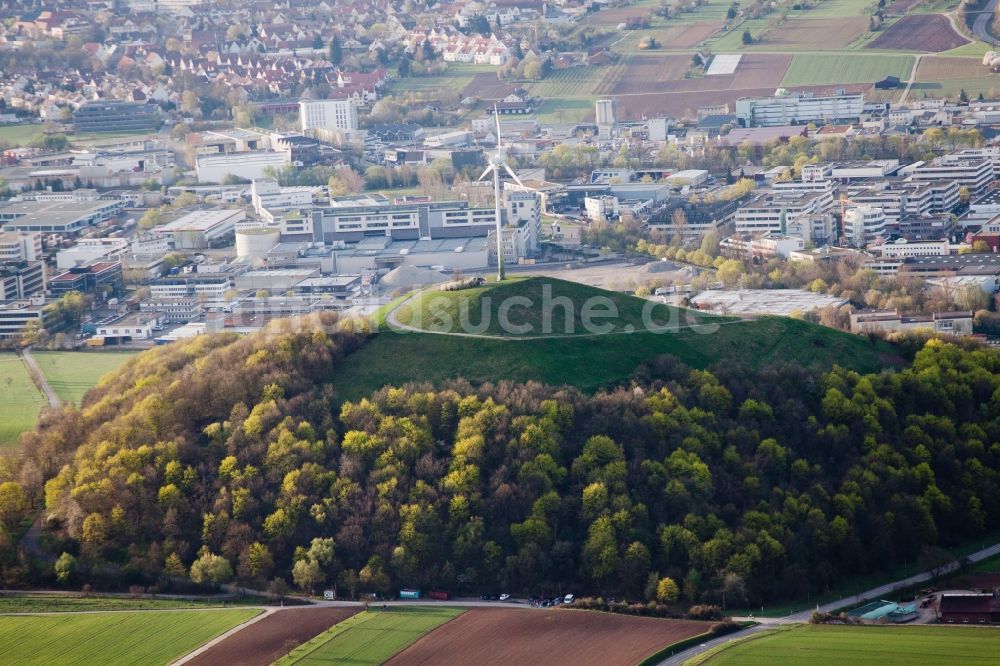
point(764, 301)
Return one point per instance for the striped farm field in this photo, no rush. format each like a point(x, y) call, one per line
point(113, 638)
point(819, 70)
point(370, 638)
point(576, 81)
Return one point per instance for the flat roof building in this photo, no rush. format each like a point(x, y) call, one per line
point(57, 217)
point(783, 302)
point(799, 109)
point(203, 228)
point(115, 116)
point(16, 315)
point(328, 114)
point(250, 165)
point(953, 323)
point(101, 276)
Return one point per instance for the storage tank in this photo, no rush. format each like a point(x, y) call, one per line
point(256, 242)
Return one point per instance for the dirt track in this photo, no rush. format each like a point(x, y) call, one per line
point(482, 637)
point(274, 636)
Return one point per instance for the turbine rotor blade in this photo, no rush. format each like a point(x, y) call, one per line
point(512, 174)
point(487, 172)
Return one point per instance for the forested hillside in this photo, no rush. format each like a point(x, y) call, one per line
point(224, 457)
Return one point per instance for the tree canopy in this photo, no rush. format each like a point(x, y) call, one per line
point(230, 457)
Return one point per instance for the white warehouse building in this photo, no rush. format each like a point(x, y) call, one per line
point(250, 165)
point(202, 229)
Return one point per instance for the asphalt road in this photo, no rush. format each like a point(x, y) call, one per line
point(980, 27)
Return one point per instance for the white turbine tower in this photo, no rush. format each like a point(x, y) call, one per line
point(498, 162)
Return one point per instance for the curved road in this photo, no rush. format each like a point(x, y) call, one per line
point(980, 27)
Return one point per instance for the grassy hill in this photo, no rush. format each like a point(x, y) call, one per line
point(536, 306)
point(587, 361)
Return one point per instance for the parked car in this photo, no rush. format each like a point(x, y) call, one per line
point(568, 599)
point(504, 597)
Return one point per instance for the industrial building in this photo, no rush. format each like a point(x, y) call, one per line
point(783, 302)
point(209, 290)
point(890, 321)
point(135, 326)
point(799, 109)
point(381, 253)
point(268, 197)
point(202, 229)
point(250, 165)
point(114, 116)
point(57, 217)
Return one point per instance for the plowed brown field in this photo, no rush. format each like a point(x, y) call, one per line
point(485, 636)
point(830, 33)
point(263, 642)
point(919, 32)
point(665, 73)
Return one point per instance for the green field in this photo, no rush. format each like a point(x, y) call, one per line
point(989, 86)
point(127, 638)
point(20, 400)
point(370, 638)
point(733, 40)
point(450, 83)
point(592, 362)
point(565, 110)
point(814, 70)
point(72, 374)
point(829, 645)
point(19, 135)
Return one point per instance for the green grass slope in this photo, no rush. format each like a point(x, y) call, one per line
point(592, 362)
point(71, 374)
point(370, 638)
point(125, 638)
point(537, 306)
point(826, 645)
point(20, 400)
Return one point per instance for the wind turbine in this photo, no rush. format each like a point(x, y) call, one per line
point(499, 162)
